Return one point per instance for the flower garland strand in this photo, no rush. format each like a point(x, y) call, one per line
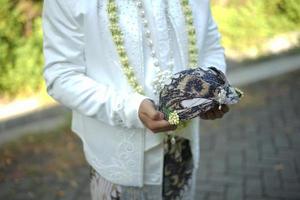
point(118, 38)
point(191, 32)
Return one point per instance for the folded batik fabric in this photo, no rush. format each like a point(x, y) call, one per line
point(192, 92)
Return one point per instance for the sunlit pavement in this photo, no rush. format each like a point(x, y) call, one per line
point(253, 153)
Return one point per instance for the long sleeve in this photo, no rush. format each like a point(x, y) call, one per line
point(65, 71)
point(213, 53)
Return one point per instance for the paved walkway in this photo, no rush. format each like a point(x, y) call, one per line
point(253, 153)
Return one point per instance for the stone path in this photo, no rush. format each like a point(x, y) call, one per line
point(253, 153)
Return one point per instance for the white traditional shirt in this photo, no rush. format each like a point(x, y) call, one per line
point(83, 72)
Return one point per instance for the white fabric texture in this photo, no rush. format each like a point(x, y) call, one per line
point(82, 72)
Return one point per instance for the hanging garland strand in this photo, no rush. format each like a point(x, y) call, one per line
point(118, 39)
point(191, 32)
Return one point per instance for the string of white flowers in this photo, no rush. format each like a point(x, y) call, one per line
point(118, 38)
point(191, 32)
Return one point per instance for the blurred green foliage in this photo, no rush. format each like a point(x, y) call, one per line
point(247, 24)
point(21, 57)
point(243, 24)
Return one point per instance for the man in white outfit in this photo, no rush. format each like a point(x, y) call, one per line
point(121, 130)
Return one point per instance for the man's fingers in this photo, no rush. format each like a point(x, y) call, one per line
point(157, 125)
point(154, 114)
point(148, 109)
point(153, 119)
point(160, 116)
point(225, 108)
point(203, 116)
point(218, 114)
point(215, 112)
point(210, 115)
point(165, 129)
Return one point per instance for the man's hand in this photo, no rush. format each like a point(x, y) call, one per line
point(215, 113)
point(153, 119)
